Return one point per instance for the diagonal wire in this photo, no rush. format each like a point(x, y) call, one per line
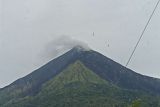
point(148, 22)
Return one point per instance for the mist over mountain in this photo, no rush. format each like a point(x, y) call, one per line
point(82, 78)
point(61, 45)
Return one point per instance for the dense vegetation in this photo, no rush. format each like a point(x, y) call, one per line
point(77, 86)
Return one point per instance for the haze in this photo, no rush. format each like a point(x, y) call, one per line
point(29, 29)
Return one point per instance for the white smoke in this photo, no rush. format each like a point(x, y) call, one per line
point(61, 45)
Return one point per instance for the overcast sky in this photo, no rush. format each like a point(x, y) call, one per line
point(31, 31)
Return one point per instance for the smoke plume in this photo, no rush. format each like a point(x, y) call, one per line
point(61, 45)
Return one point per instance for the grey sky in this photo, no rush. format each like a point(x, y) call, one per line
point(28, 29)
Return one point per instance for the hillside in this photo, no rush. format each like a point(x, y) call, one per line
point(82, 78)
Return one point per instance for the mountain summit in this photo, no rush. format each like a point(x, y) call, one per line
point(81, 78)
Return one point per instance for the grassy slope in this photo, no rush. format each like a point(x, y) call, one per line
point(77, 86)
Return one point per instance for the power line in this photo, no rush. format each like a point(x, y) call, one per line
point(142, 33)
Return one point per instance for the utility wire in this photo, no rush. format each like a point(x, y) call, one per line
point(142, 33)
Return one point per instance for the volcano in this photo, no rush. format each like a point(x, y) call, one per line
point(82, 78)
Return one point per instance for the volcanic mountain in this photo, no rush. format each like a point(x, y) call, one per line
point(82, 78)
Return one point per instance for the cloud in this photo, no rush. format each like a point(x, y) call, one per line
point(61, 45)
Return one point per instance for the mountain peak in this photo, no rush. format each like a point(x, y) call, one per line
point(81, 73)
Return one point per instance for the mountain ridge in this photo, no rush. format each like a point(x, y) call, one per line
point(90, 61)
point(74, 54)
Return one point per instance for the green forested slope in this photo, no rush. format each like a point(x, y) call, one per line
point(78, 86)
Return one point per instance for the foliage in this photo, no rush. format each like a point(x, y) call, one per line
point(78, 86)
